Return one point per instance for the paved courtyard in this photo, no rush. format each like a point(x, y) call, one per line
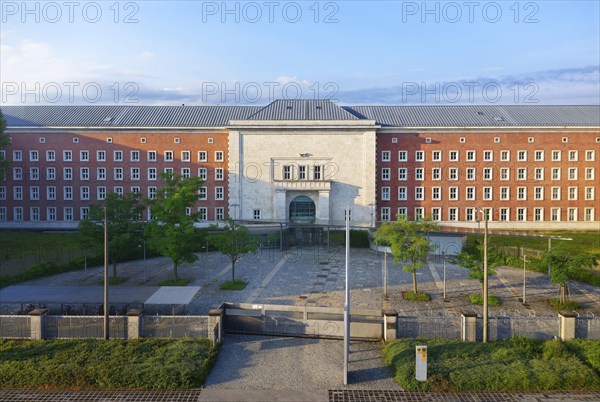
point(315, 276)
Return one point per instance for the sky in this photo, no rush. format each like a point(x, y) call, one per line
point(352, 52)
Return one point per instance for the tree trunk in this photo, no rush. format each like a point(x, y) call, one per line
point(175, 271)
point(233, 270)
point(414, 279)
point(562, 293)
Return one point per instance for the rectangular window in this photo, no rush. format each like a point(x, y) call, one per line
point(118, 173)
point(101, 156)
point(385, 174)
point(34, 156)
point(555, 214)
point(169, 170)
point(203, 193)
point(522, 174)
point(168, 156)
point(538, 214)
point(118, 156)
point(50, 193)
point(287, 172)
point(588, 214)
point(84, 156)
point(556, 156)
point(436, 214)
point(67, 156)
point(436, 174)
point(386, 156)
point(572, 214)
point(504, 174)
point(219, 213)
point(185, 172)
point(152, 156)
point(539, 156)
point(84, 193)
point(556, 193)
point(590, 155)
point(402, 156)
point(589, 173)
point(470, 214)
point(504, 193)
point(152, 193)
point(186, 156)
point(385, 193)
point(453, 193)
point(385, 214)
point(470, 173)
point(452, 214)
point(471, 156)
point(555, 173)
point(453, 156)
point(202, 214)
point(67, 193)
point(420, 156)
point(34, 193)
point(488, 156)
point(219, 193)
point(522, 156)
point(487, 193)
point(572, 173)
point(402, 194)
point(202, 156)
point(539, 173)
point(453, 173)
point(84, 212)
point(135, 189)
point(51, 213)
point(419, 174)
point(470, 193)
point(301, 172)
point(402, 174)
point(436, 193)
point(572, 193)
point(589, 193)
point(134, 156)
point(505, 156)
point(101, 173)
point(202, 173)
point(256, 214)
point(504, 214)
point(538, 193)
point(101, 193)
point(487, 173)
point(436, 156)
point(84, 173)
point(419, 213)
point(317, 172)
point(50, 156)
point(51, 173)
point(151, 173)
point(135, 173)
point(68, 213)
point(573, 156)
point(2, 193)
point(419, 193)
point(522, 193)
point(219, 156)
point(18, 213)
point(34, 173)
point(17, 156)
point(17, 173)
point(521, 214)
point(402, 213)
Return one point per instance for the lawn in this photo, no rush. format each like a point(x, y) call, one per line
point(518, 364)
point(98, 364)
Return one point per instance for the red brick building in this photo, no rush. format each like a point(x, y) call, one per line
point(530, 167)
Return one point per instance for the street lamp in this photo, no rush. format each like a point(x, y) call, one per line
point(485, 274)
point(106, 333)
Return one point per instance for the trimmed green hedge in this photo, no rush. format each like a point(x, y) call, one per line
point(358, 238)
point(98, 364)
point(518, 364)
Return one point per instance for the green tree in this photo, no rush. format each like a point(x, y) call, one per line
point(562, 265)
point(234, 241)
point(171, 231)
point(471, 258)
point(4, 141)
point(409, 241)
point(124, 225)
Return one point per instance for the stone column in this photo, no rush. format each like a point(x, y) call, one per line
point(566, 327)
point(323, 211)
point(215, 325)
point(37, 323)
point(469, 327)
point(134, 324)
point(280, 205)
point(390, 325)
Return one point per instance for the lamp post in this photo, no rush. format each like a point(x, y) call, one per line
point(106, 333)
point(524, 276)
point(347, 303)
point(485, 273)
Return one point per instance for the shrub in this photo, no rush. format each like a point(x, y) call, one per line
point(478, 299)
point(419, 296)
point(233, 285)
point(173, 282)
point(358, 238)
point(568, 305)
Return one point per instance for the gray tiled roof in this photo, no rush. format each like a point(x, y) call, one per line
point(302, 110)
point(220, 116)
point(124, 116)
point(480, 116)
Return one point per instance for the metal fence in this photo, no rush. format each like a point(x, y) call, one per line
point(15, 327)
point(529, 327)
point(587, 328)
point(62, 327)
point(437, 327)
point(178, 326)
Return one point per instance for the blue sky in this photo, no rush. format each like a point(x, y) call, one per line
point(355, 52)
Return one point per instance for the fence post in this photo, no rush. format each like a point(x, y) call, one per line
point(566, 326)
point(134, 324)
point(468, 327)
point(390, 325)
point(215, 324)
point(37, 324)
